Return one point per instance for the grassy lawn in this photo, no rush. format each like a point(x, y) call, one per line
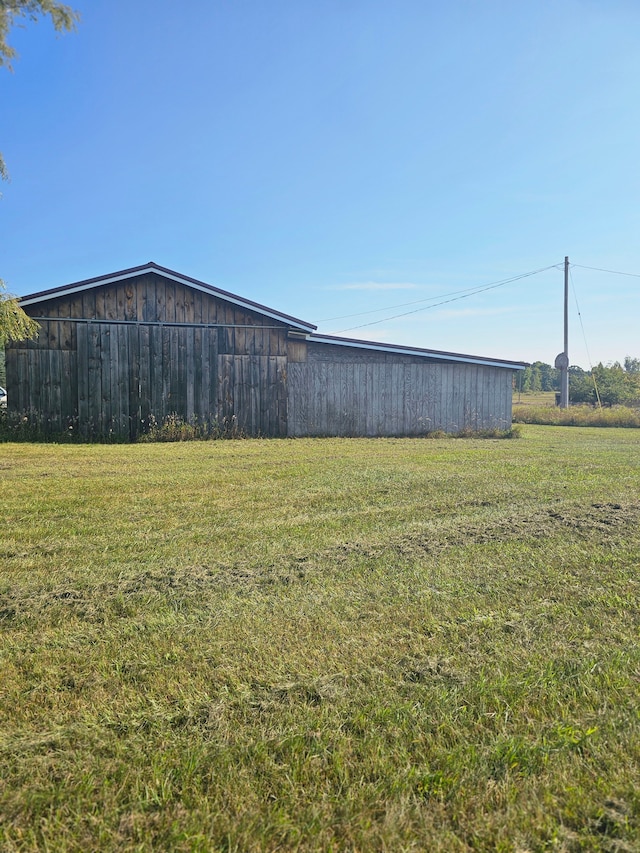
point(394, 645)
point(534, 398)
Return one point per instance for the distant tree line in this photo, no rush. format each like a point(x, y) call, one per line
point(614, 384)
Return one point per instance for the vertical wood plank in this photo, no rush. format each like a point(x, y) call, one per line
point(292, 413)
point(408, 416)
point(227, 386)
point(99, 303)
point(198, 314)
point(45, 384)
point(17, 389)
point(297, 393)
point(105, 376)
point(198, 364)
point(190, 371)
point(240, 396)
point(481, 398)
point(447, 398)
point(465, 383)
point(169, 368)
point(255, 371)
point(55, 391)
point(94, 403)
point(161, 300)
point(68, 390)
point(396, 399)
point(174, 371)
point(83, 378)
point(170, 301)
point(155, 374)
point(110, 302)
point(89, 304)
point(342, 399)
point(114, 376)
point(213, 362)
point(130, 303)
point(133, 345)
point(144, 405)
point(283, 379)
point(210, 308)
point(139, 285)
point(457, 413)
point(240, 342)
point(188, 305)
point(150, 313)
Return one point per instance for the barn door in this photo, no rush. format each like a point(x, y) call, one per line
point(252, 394)
point(103, 380)
point(133, 374)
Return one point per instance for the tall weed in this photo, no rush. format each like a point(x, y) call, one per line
point(614, 416)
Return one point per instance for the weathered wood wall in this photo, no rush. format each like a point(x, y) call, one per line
point(110, 359)
point(107, 360)
point(348, 391)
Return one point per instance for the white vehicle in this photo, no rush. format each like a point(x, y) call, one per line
point(3, 396)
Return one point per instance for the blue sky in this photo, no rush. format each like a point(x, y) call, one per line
point(339, 157)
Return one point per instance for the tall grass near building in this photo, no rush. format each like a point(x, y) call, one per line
point(610, 416)
point(321, 645)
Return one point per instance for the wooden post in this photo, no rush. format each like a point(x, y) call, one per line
point(562, 360)
point(565, 370)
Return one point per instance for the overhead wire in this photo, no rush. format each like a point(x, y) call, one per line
point(465, 295)
point(613, 272)
point(469, 290)
point(584, 336)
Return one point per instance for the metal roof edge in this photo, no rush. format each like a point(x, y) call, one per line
point(418, 351)
point(151, 267)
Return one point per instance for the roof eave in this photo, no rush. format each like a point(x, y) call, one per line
point(438, 355)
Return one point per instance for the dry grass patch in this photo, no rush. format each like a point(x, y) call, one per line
point(583, 415)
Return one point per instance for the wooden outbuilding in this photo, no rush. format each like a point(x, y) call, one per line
point(117, 353)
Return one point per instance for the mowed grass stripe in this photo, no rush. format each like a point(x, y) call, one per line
point(315, 645)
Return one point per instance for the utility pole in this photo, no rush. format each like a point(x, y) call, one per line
point(562, 359)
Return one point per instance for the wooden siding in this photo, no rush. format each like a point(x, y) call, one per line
point(369, 393)
point(110, 360)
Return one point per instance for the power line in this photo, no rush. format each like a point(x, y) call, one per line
point(469, 290)
point(614, 272)
point(465, 295)
point(584, 336)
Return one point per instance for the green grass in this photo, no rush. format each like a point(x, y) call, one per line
point(394, 645)
point(534, 398)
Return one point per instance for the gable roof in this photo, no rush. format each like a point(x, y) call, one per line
point(304, 329)
point(431, 354)
point(151, 267)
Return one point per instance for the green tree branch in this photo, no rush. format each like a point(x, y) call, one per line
point(15, 325)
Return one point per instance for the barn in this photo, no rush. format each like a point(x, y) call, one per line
point(117, 352)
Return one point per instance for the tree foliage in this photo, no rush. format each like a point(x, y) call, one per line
point(15, 325)
point(63, 18)
point(611, 385)
point(539, 377)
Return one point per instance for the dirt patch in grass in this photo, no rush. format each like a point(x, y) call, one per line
point(605, 522)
